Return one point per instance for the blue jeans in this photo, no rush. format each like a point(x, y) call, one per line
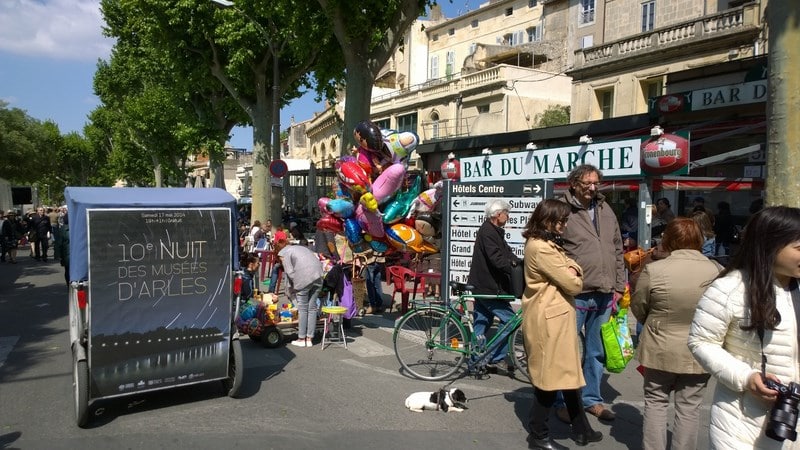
point(306, 300)
point(592, 310)
point(484, 314)
point(374, 288)
point(273, 277)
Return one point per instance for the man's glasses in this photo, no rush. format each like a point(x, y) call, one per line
point(586, 185)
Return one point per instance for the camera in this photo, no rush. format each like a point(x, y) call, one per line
point(783, 416)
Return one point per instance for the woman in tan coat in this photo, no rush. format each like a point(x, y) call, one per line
point(551, 338)
point(665, 300)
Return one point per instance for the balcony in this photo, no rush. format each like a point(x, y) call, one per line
point(441, 88)
point(720, 31)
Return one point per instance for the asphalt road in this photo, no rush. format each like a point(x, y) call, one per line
point(300, 398)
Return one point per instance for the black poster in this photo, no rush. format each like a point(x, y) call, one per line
point(159, 297)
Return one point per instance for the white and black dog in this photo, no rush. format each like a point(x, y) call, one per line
point(442, 400)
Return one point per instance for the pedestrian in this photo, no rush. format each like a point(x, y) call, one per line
point(665, 299)
point(552, 279)
point(709, 238)
point(490, 274)
point(375, 266)
point(745, 331)
point(304, 283)
point(62, 243)
point(594, 241)
point(249, 269)
point(40, 228)
point(12, 231)
point(5, 234)
point(725, 229)
point(630, 218)
point(662, 215)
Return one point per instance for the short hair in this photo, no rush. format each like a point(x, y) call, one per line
point(579, 171)
point(249, 259)
point(495, 206)
point(663, 200)
point(682, 233)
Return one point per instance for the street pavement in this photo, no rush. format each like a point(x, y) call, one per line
point(301, 398)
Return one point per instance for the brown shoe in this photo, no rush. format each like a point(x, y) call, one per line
point(563, 415)
point(601, 412)
point(369, 311)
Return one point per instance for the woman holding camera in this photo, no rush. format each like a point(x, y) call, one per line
point(745, 331)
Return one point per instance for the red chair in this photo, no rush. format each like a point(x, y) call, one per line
point(400, 277)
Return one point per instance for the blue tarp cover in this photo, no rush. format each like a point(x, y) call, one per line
point(80, 199)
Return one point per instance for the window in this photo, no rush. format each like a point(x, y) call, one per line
point(483, 109)
point(586, 12)
point(383, 124)
point(605, 101)
point(534, 34)
point(651, 88)
point(472, 48)
point(509, 11)
point(407, 123)
point(451, 64)
point(451, 31)
point(435, 37)
point(648, 15)
point(532, 3)
point(507, 38)
point(474, 23)
point(434, 68)
point(435, 125)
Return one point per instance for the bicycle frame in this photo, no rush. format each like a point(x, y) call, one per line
point(477, 356)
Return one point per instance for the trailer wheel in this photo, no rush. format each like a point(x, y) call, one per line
point(233, 383)
point(80, 385)
point(271, 337)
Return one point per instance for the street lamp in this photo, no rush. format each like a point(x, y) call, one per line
point(276, 111)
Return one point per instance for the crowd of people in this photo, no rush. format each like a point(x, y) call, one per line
point(698, 319)
point(36, 230)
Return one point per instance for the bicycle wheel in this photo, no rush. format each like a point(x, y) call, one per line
point(517, 353)
point(430, 344)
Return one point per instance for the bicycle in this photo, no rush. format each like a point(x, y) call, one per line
point(433, 340)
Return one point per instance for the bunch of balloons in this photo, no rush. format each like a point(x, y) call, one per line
point(374, 205)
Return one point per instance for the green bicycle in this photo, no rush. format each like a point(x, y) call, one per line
point(433, 340)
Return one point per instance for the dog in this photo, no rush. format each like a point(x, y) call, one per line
point(446, 400)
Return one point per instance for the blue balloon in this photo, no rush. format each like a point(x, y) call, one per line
point(379, 246)
point(352, 230)
point(340, 207)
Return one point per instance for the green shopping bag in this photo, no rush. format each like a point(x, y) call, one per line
point(617, 341)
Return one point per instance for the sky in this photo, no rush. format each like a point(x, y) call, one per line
point(49, 51)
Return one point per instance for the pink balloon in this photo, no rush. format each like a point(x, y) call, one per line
point(388, 182)
point(371, 222)
point(322, 203)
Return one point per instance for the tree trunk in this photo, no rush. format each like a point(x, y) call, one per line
point(783, 123)
point(262, 191)
point(357, 103)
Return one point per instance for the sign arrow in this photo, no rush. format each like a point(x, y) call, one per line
point(456, 203)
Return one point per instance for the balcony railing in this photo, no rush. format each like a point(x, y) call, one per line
point(703, 30)
point(439, 87)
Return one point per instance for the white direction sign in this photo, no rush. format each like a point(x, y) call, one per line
point(467, 214)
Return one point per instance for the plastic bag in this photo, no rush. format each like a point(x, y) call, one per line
point(617, 341)
point(347, 301)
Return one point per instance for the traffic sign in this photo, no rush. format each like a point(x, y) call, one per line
point(278, 168)
point(464, 214)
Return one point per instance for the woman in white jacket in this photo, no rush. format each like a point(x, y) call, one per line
point(755, 293)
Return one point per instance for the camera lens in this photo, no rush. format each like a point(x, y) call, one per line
point(783, 416)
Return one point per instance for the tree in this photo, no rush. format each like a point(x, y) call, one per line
point(238, 50)
point(25, 145)
point(553, 116)
point(783, 129)
point(368, 33)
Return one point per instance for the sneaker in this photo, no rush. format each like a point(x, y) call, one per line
point(601, 412)
point(299, 343)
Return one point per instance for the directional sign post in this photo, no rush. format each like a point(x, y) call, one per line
point(463, 213)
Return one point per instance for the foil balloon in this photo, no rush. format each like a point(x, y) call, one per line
point(400, 144)
point(426, 225)
point(340, 207)
point(352, 230)
point(376, 245)
point(331, 223)
point(370, 221)
point(388, 182)
point(322, 203)
point(369, 202)
point(427, 201)
point(401, 204)
point(353, 177)
point(372, 155)
point(403, 237)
